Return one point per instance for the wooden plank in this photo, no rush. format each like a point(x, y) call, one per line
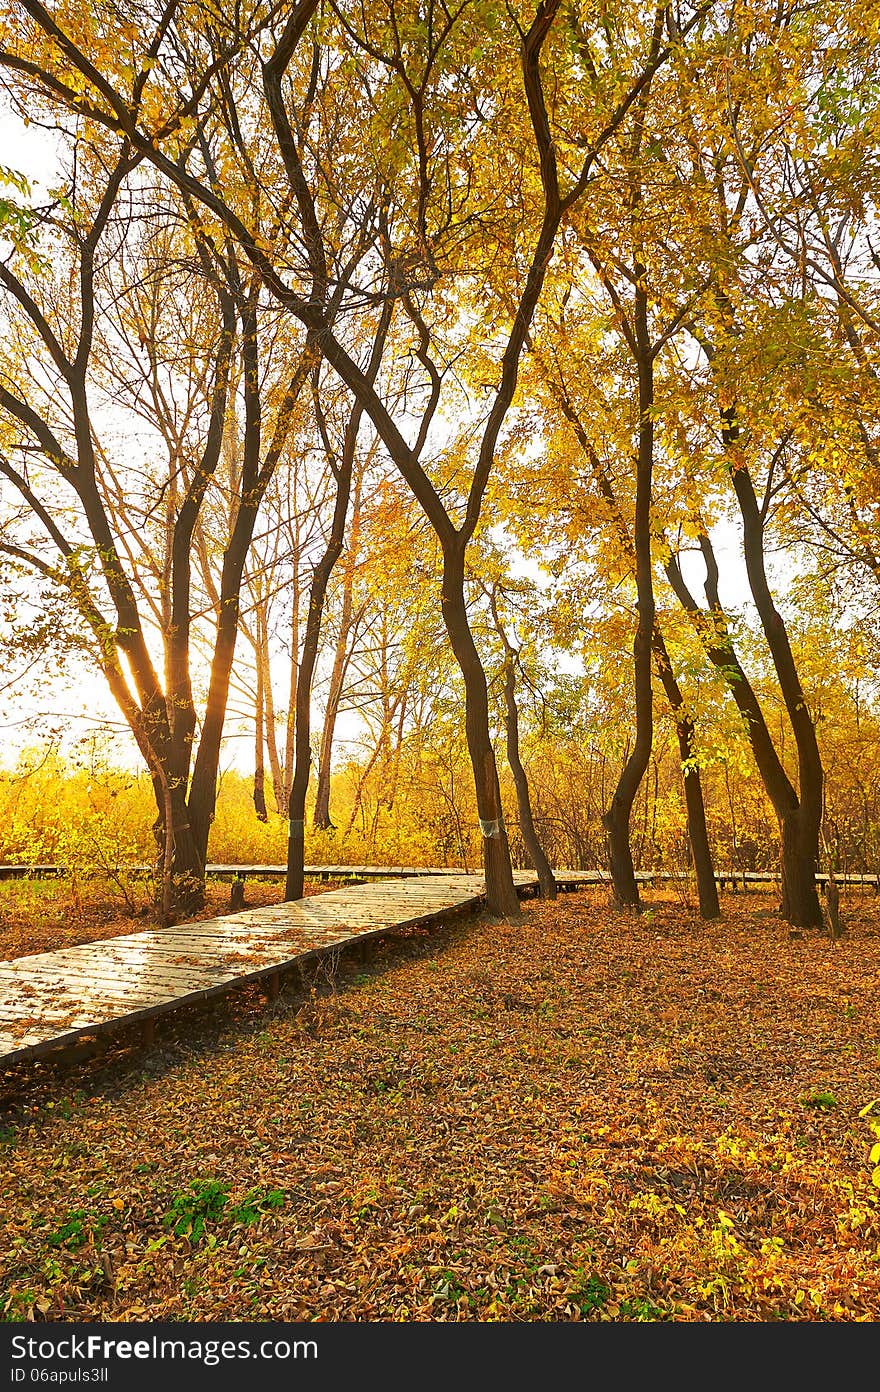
point(177, 972)
point(109, 981)
point(49, 999)
point(385, 872)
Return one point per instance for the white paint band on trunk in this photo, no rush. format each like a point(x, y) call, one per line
point(490, 829)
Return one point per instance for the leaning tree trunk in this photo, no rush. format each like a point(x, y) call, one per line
point(321, 815)
point(347, 621)
point(501, 895)
point(801, 829)
point(798, 861)
point(302, 754)
point(531, 840)
point(259, 765)
point(698, 834)
point(617, 818)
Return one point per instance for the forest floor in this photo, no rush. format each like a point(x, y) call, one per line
point(581, 1115)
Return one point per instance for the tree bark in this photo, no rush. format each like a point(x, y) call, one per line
point(283, 794)
point(180, 891)
point(501, 895)
point(801, 828)
point(259, 765)
point(321, 815)
point(531, 840)
point(302, 757)
point(617, 818)
point(536, 854)
point(342, 469)
point(698, 833)
point(264, 680)
point(797, 856)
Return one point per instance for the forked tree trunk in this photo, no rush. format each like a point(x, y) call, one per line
point(798, 835)
point(698, 834)
point(531, 840)
point(501, 895)
point(181, 891)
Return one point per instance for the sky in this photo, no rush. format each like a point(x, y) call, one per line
point(40, 706)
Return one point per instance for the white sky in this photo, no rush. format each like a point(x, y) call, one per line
point(32, 709)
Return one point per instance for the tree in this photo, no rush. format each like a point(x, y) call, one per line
point(511, 668)
point(122, 541)
point(406, 65)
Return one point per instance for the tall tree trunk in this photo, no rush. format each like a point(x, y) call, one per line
point(501, 895)
point(531, 840)
point(798, 862)
point(255, 477)
point(259, 708)
point(617, 817)
point(693, 787)
point(302, 757)
point(293, 688)
point(203, 788)
point(698, 834)
point(321, 816)
point(801, 827)
point(180, 887)
point(264, 678)
point(342, 469)
point(800, 814)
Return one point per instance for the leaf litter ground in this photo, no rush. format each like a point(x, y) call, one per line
point(582, 1115)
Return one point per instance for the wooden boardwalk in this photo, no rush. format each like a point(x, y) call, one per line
point(52, 999)
point(566, 879)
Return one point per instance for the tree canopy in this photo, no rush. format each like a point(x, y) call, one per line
point(504, 376)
